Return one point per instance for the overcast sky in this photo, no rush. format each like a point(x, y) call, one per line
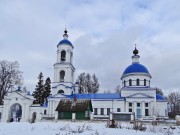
point(103, 34)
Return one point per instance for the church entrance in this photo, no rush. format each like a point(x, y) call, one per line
point(138, 113)
point(33, 117)
point(15, 112)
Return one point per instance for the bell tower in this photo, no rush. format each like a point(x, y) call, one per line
point(63, 68)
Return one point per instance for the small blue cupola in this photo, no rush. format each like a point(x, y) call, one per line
point(65, 41)
point(136, 67)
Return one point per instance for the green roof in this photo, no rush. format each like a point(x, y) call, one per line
point(69, 106)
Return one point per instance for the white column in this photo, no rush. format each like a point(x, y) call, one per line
point(124, 106)
point(112, 106)
point(127, 106)
point(53, 108)
point(154, 107)
point(58, 56)
point(56, 115)
point(23, 112)
point(26, 112)
point(132, 117)
point(135, 108)
point(49, 106)
point(143, 109)
point(110, 116)
point(98, 111)
point(91, 116)
point(7, 110)
point(150, 109)
point(5, 113)
point(73, 116)
point(105, 111)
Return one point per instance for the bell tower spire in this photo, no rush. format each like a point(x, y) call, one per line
point(63, 68)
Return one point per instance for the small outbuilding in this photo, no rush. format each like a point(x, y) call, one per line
point(82, 109)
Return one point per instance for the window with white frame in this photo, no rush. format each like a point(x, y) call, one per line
point(102, 111)
point(95, 111)
point(108, 111)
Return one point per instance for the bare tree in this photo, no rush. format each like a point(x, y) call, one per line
point(118, 89)
point(95, 84)
point(9, 75)
point(88, 84)
point(107, 91)
point(81, 82)
point(174, 101)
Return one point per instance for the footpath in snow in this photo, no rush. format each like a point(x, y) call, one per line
point(83, 128)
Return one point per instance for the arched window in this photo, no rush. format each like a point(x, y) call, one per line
point(130, 82)
point(62, 75)
point(45, 112)
point(60, 91)
point(124, 83)
point(63, 55)
point(144, 82)
point(137, 82)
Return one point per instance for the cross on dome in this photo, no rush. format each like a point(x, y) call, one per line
point(65, 31)
point(135, 52)
point(65, 34)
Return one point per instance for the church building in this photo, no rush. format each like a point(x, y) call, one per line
point(136, 96)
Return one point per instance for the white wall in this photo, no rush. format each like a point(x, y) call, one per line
point(66, 87)
point(68, 50)
point(161, 109)
point(20, 98)
point(127, 92)
point(66, 65)
point(112, 104)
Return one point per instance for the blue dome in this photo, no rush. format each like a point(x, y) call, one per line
point(160, 97)
point(65, 41)
point(136, 68)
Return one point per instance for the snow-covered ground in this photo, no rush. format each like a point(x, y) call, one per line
point(83, 128)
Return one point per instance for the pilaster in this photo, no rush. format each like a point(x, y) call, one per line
point(143, 109)
point(135, 108)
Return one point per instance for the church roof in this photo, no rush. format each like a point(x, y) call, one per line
point(136, 68)
point(80, 106)
point(65, 42)
point(141, 95)
point(160, 97)
point(107, 96)
point(97, 96)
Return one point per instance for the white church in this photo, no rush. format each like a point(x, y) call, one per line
point(136, 97)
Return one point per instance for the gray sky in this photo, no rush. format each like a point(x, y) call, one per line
point(102, 32)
